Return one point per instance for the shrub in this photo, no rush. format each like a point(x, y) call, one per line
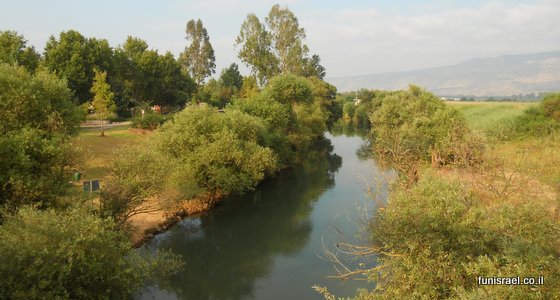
point(414, 125)
point(72, 255)
point(532, 123)
point(551, 106)
point(439, 238)
point(149, 121)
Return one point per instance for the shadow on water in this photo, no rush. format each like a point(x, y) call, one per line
point(227, 249)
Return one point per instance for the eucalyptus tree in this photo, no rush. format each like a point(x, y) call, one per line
point(276, 46)
point(198, 57)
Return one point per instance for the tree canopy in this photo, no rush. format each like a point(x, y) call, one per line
point(277, 46)
point(198, 57)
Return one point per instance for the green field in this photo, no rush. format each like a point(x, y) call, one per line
point(98, 151)
point(482, 116)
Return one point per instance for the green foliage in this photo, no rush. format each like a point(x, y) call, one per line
point(416, 124)
point(231, 78)
point(36, 116)
point(532, 123)
point(103, 99)
point(38, 101)
point(72, 255)
point(551, 106)
point(276, 47)
point(221, 154)
point(293, 111)
point(256, 49)
point(438, 239)
point(13, 50)
point(136, 174)
point(35, 167)
point(288, 89)
point(198, 58)
point(144, 76)
point(74, 57)
point(149, 121)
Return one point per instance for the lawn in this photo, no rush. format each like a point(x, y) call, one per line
point(99, 151)
point(482, 116)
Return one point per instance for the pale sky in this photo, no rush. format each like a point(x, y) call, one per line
point(351, 37)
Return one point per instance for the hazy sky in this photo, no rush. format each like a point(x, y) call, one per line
point(351, 37)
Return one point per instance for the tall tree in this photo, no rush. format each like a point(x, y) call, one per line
point(287, 39)
point(13, 50)
point(256, 49)
point(277, 46)
point(103, 100)
point(198, 58)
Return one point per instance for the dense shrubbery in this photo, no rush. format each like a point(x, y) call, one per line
point(413, 127)
point(72, 254)
point(37, 115)
point(50, 247)
point(551, 106)
point(438, 238)
point(534, 122)
point(149, 121)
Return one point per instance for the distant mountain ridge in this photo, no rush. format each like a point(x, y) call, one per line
point(504, 75)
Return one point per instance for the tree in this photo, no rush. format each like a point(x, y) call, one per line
point(221, 155)
point(231, 78)
point(72, 254)
point(74, 57)
point(13, 50)
point(312, 67)
point(198, 58)
point(287, 39)
point(40, 101)
point(276, 47)
point(103, 99)
point(36, 118)
point(256, 49)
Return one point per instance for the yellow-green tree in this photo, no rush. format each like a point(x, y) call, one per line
point(103, 99)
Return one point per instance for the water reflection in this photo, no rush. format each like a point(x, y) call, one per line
point(229, 248)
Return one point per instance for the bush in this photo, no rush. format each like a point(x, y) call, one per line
point(551, 106)
point(439, 238)
point(72, 255)
point(221, 154)
point(149, 121)
point(532, 123)
point(414, 125)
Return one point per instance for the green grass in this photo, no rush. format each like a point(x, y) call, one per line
point(99, 151)
point(537, 157)
point(483, 116)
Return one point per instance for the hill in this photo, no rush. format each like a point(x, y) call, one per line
point(492, 76)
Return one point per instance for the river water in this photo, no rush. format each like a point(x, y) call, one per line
point(270, 243)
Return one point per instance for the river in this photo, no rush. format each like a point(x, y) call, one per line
point(270, 243)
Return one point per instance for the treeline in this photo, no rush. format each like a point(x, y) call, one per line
point(135, 73)
point(435, 235)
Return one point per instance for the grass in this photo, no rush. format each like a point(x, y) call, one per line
point(536, 157)
point(482, 116)
point(99, 151)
